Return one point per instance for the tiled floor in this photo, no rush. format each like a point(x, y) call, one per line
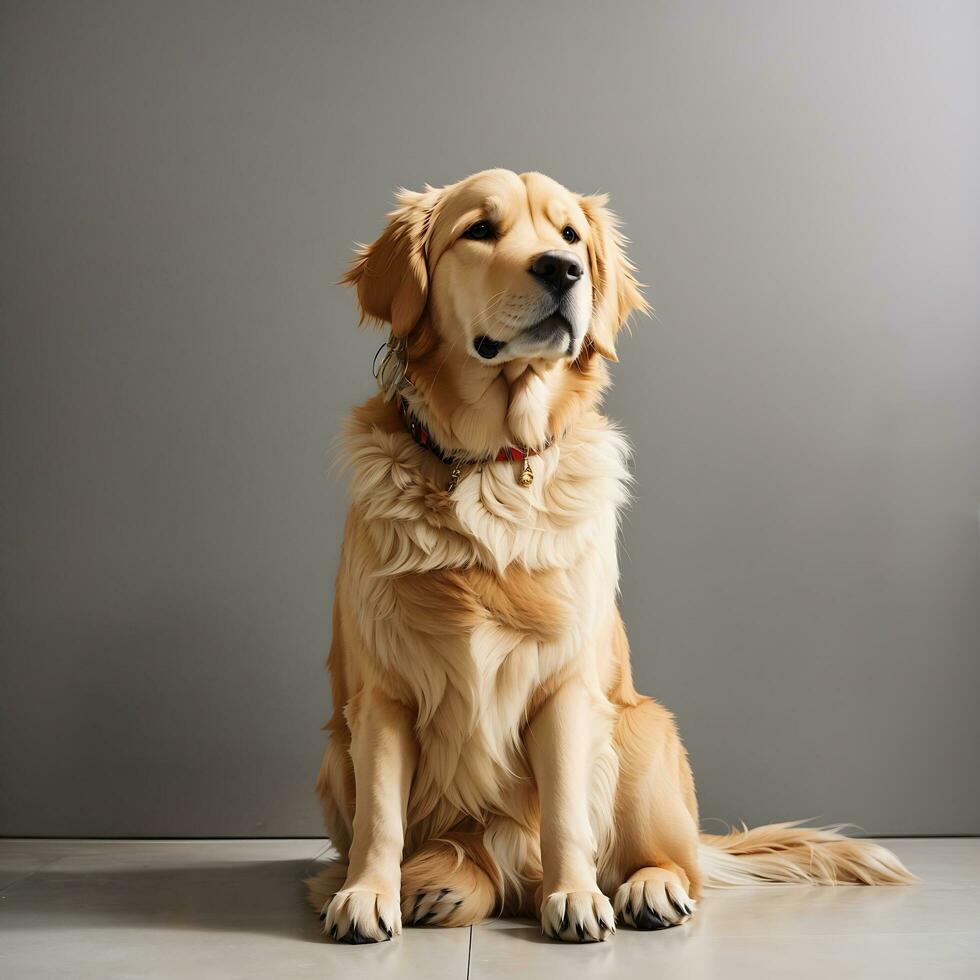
point(187, 909)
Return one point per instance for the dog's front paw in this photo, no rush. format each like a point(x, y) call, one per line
point(653, 898)
point(357, 916)
point(577, 917)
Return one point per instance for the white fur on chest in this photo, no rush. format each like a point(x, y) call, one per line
point(572, 505)
point(472, 754)
point(472, 689)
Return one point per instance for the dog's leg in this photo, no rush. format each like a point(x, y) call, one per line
point(560, 744)
point(447, 883)
point(384, 754)
point(656, 844)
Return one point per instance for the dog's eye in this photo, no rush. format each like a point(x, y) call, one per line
point(569, 234)
point(479, 231)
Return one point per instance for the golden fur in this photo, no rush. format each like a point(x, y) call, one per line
point(482, 690)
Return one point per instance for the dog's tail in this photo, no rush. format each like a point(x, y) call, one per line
point(788, 852)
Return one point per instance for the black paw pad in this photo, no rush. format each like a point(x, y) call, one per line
point(647, 920)
point(354, 937)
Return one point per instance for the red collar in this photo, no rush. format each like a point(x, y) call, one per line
point(420, 433)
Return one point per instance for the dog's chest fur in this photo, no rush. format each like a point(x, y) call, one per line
point(484, 597)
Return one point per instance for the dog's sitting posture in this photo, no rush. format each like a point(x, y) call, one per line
point(488, 752)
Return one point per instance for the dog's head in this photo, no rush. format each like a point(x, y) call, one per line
point(511, 271)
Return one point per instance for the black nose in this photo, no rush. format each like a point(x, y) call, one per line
point(559, 270)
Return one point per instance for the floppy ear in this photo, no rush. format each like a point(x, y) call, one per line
point(390, 274)
point(615, 291)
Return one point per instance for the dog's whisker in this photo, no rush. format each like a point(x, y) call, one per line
point(494, 302)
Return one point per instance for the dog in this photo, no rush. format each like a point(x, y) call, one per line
point(488, 752)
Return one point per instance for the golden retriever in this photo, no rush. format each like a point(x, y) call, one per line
point(488, 751)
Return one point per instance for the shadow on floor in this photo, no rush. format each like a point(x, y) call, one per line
point(259, 897)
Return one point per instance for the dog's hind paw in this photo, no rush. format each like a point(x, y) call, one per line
point(432, 907)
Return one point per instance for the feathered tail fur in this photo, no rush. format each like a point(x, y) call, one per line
point(788, 852)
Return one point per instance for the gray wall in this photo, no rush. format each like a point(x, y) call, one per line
point(181, 184)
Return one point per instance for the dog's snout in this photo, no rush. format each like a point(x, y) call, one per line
point(558, 270)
